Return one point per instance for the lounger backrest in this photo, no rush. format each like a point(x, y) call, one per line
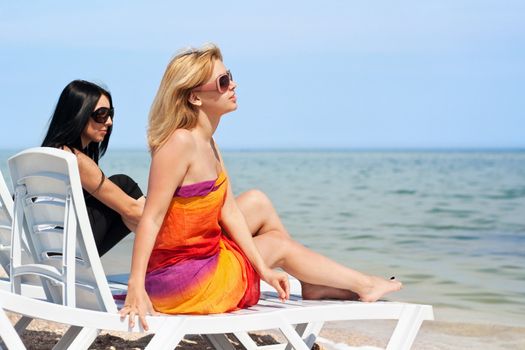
point(6, 222)
point(6, 216)
point(49, 204)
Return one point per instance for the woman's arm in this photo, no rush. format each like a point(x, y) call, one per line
point(235, 224)
point(103, 189)
point(169, 165)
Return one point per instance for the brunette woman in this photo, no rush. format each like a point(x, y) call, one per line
point(82, 123)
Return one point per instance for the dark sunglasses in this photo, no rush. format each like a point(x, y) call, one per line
point(221, 84)
point(102, 114)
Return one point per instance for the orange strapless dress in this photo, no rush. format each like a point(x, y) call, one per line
point(195, 267)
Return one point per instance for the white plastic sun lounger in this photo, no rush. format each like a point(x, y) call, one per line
point(49, 204)
point(6, 221)
point(31, 285)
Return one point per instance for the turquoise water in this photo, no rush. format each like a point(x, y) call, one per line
point(450, 225)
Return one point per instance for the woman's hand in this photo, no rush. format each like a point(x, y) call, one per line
point(137, 303)
point(279, 281)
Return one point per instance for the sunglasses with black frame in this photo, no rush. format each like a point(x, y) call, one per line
point(102, 114)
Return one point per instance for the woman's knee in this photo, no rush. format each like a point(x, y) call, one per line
point(255, 200)
point(127, 184)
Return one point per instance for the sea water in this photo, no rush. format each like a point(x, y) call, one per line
point(449, 224)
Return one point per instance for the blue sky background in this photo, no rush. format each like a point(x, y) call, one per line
point(330, 74)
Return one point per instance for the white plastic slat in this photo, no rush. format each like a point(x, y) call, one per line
point(45, 212)
point(44, 184)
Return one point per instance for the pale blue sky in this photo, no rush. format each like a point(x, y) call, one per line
point(324, 74)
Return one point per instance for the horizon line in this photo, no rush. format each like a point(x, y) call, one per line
point(332, 149)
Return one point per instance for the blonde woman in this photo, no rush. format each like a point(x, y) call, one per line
point(198, 250)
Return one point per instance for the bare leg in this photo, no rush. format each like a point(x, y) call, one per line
point(313, 268)
point(261, 217)
point(259, 213)
point(316, 292)
point(320, 277)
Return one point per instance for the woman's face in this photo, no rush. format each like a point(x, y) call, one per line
point(95, 132)
point(215, 102)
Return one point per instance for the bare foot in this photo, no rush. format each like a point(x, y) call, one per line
point(377, 287)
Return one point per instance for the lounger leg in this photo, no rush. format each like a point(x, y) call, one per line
point(407, 328)
point(293, 337)
point(309, 332)
point(77, 338)
point(11, 339)
point(220, 341)
point(246, 340)
point(168, 337)
point(249, 344)
point(22, 324)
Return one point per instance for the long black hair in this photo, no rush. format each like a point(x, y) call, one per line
point(75, 105)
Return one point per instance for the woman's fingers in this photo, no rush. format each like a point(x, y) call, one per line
point(131, 318)
point(137, 304)
point(142, 318)
point(281, 286)
point(127, 310)
point(279, 290)
point(286, 287)
point(279, 281)
point(123, 313)
point(132, 311)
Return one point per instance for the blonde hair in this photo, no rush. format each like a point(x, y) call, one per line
point(171, 108)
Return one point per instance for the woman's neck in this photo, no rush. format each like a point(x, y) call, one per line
point(84, 142)
point(206, 125)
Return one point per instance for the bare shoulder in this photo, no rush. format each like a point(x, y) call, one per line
point(181, 138)
point(84, 162)
point(180, 145)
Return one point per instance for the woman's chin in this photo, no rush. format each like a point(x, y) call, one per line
point(231, 109)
